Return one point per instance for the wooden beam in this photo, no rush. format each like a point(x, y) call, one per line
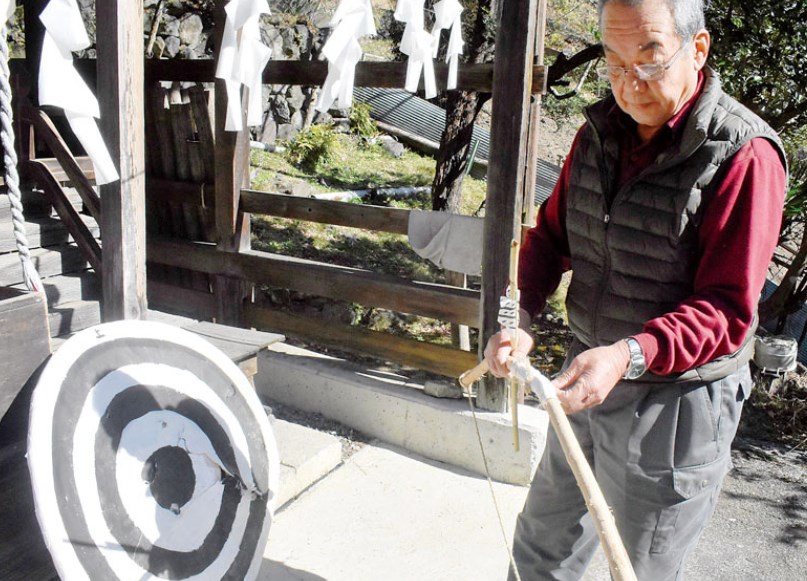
point(426, 356)
point(394, 220)
point(513, 82)
point(534, 123)
point(442, 302)
point(34, 38)
point(179, 192)
point(391, 75)
point(175, 299)
point(123, 216)
point(232, 174)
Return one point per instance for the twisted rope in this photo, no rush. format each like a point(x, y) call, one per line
point(32, 280)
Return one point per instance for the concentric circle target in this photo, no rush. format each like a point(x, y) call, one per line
point(151, 457)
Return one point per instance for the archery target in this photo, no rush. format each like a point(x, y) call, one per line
point(151, 457)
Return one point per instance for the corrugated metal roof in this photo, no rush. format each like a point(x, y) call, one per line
point(409, 112)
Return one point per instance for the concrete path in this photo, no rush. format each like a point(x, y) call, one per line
point(387, 514)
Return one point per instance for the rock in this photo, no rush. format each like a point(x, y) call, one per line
point(170, 26)
point(437, 388)
point(395, 148)
point(286, 131)
point(269, 130)
point(280, 109)
point(296, 98)
point(159, 47)
point(172, 45)
point(304, 190)
point(190, 30)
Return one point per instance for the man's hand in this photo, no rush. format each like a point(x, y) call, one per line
point(591, 376)
point(500, 348)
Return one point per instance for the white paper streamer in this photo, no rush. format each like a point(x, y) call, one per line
point(352, 20)
point(242, 59)
point(417, 43)
point(7, 7)
point(61, 86)
point(448, 15)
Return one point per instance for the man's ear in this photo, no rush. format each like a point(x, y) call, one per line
point(701, 41)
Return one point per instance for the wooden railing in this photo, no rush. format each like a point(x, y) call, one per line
point(443, 302)
point(48, 173)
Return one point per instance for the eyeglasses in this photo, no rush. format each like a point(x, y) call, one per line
point(648, 72)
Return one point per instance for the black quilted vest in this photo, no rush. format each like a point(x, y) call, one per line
point(637, 259)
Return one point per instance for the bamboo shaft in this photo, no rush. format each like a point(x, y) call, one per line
point(621, 568)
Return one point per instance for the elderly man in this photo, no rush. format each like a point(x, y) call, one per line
point(667, 211)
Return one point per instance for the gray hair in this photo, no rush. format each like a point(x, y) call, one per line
point(688, 14)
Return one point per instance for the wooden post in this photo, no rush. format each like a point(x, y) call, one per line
point(123, 218)
point(535, 122)
point(232, 174)
point(34, 37)
point(512, 84)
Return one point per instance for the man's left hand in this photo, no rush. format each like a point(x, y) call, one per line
point(591, 376)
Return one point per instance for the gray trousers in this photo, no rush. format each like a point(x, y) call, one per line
point(659, 453)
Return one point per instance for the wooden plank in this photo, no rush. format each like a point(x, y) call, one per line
point(41, 231)
point(179, 300)
point(515, 39)
point(426, 356)
point(162, 138)
point(24, 341)
point(53, 165)
point(236, 343)
point(120, 76)
point(200, 114)
point(23, 554)
point(395, 220)
point(177, 192)
point(442, 302)
point(180, 132)
point(69, 288)
point(63, 258)
point(72, 317)
point(470, 76)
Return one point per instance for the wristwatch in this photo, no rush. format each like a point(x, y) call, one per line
point(638, 365)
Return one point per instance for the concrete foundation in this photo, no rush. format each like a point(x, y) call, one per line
point(388, 407)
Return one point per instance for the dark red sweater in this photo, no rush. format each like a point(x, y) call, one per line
point(739, 232)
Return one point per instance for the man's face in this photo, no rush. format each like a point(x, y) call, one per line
point(645, 34)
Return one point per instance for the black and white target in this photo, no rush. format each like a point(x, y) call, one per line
point(151, 457)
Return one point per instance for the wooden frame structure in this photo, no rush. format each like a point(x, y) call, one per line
point(226, 264)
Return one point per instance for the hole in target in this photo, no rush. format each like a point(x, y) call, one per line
point(169, 472)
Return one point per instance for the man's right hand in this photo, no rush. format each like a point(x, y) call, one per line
point(500, 348)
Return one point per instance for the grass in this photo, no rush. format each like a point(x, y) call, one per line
point(358, 164)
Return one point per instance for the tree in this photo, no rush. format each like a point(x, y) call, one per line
point(759, 49)
point(462, 109)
